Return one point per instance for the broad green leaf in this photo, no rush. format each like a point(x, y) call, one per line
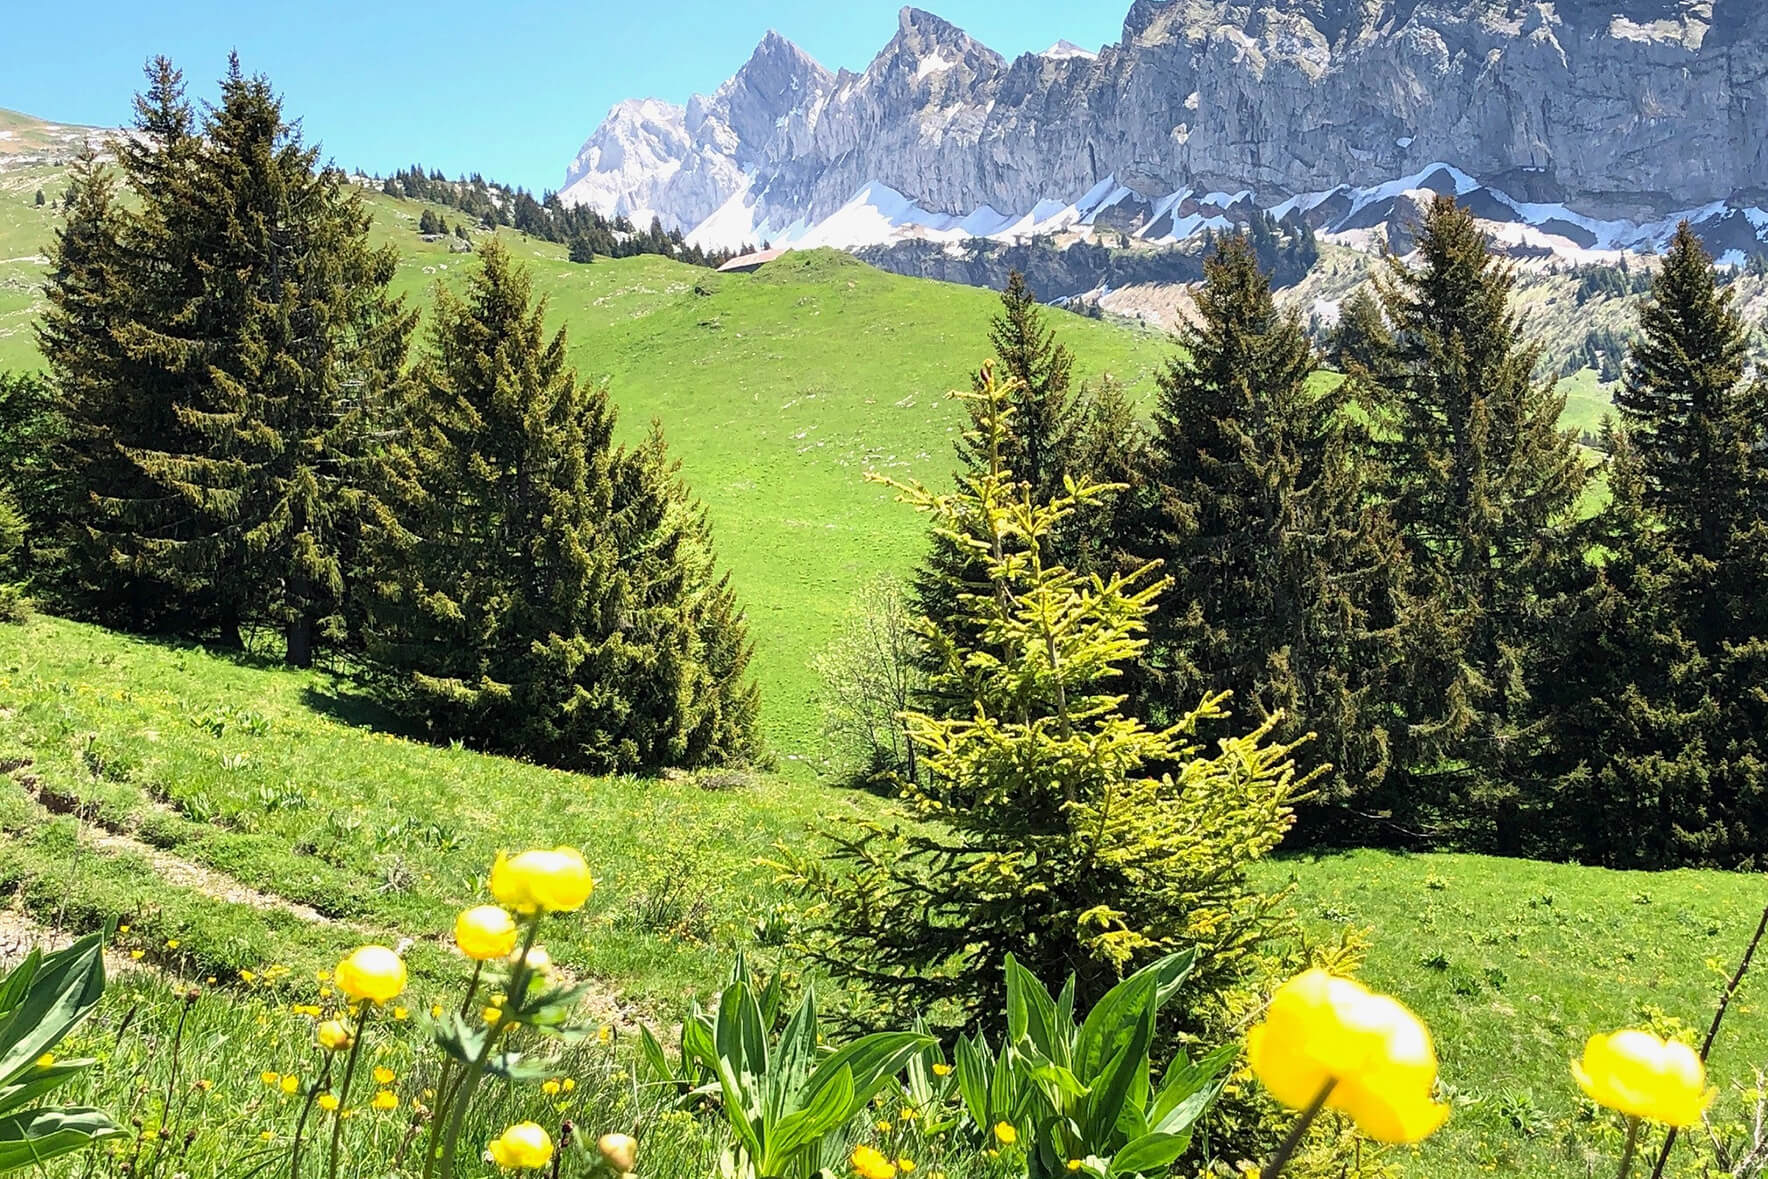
point(34, 1137)
point(654, 1056)
point(1183, 1081)
point(874, 1061)
point(828, 1110)
point(1150, 1154)
point(792, 1060)
point(975, 1070)
point(1117, 1079)
point(40, 1081)
point(1031, 1013)
point(65, 987)
point(18, 981)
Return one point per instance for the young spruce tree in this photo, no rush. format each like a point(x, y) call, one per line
point(1484, 488)
point(1287, 580)
point(1043, 829)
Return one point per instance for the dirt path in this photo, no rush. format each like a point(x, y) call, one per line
point(19, 932)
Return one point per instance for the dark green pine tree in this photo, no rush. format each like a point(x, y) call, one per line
point(1626, 776)
point(428, 223)
point(103, 278)
point(276, 346)
point(1673, 772)
point(41, 200)
point(1361, 339)
point(1699, 427)
point(691, 703)
point(537, 591)
point(1484, 487)
point(581, 250)
point(1287, 582)
point(1039, 449)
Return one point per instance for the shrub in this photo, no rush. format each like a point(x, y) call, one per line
point(869, 679)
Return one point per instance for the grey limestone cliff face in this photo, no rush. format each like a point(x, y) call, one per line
point(1619, 108)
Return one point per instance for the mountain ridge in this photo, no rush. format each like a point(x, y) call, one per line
point(1619, 111)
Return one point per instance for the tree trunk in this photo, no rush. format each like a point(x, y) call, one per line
point(298, 642)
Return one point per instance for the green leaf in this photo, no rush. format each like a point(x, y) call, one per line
point(874, 1061)
point(18, 981)
point(63, 990)
point(39, 1082)
point(1175, 1106)
point(1114, 1083)
point(654, 1057)
point(34, 1137)
point(975, 1072)
point(1149, 1154)
point(1031, 1013)
point(830, 1108)
point(792, 1061)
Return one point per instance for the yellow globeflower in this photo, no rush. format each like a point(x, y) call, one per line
point(333, 1036)
point(1005, 1134)
point(485, 933)
point(328, 1102)
point(1643, 1076)
point(619, 1151)
point(1377, 1057)
point(522, 1147)
point(868, 1163)
point(374, 973)
point(554, 881)
point(385, 1099)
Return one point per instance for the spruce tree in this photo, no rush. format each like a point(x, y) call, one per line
point(1698, 425)
point(1484, 486)
point(537, 591)
point(1656, 758)
point(1626, 776)
point(1287, 580)
point(1361, 339)
point(1039, 448)
point(1049, 827)
point(41, 200)
point(96, 287)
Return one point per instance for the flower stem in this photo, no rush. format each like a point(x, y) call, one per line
point(331, 1162)
point(1632, 1147)
point(1293, 1139)
point(313, 1092)
point(469, 1084)
point(448, 1082)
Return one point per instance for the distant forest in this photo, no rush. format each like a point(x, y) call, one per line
point(585, 231)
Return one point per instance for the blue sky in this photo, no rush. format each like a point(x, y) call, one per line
point(507, 89)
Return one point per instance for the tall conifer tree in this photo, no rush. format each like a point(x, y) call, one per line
point(537, 590)
point(1657, 757)
point(1484, 486)
point(1286, 579)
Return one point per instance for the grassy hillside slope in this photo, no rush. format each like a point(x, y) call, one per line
point(234, 816)
point(778, 392)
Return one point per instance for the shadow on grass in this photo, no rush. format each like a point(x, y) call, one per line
point(345, 700)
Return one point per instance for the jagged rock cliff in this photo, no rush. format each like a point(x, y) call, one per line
point(1597, 114)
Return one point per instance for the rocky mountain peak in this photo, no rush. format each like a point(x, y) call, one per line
point(1594, 114)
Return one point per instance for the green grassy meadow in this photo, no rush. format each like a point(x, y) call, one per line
point(235, 816)
point(230, 816)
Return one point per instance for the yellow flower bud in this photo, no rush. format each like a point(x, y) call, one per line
point(383, 1075)
point(485, 933)
point(333, 1036)
point(290, 1083)
point(1643, 1076)
point(522, 1147)
point(619, 1151)
point(372, 973)
point(1376, 1056)
point(554, 881)
point(1005, 1134)
point(328, 1102)
point(942, 1070)
point(385, 1099)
